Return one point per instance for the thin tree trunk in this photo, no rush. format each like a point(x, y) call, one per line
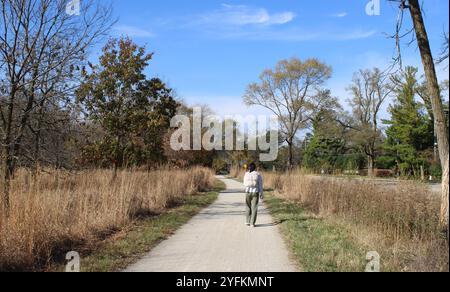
point(6, 157)
point(6, 180)
point(36, 158)
point(370, 166)
point(435, 94)
point(290, 162)
point(444, 204)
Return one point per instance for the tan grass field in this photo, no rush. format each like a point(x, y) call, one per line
point(402, 222)
point(61, 209)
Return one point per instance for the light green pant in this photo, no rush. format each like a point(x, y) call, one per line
point(252, 201)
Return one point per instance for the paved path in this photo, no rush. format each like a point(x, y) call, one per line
point(217, 240)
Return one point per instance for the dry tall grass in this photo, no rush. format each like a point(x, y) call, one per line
point(61, 209)
point(236, 171)
point(403, 218)
point(409, 209)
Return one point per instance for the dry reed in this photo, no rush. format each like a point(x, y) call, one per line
point(402, 218)
point(58, 210)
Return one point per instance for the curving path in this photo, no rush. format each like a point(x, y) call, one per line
point(217, 240)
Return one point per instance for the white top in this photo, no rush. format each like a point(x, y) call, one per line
point(253, 183)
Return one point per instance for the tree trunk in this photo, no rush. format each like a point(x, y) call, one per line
point(36, 154)
point(444, 204)
point(370, 166)
point(6, 180)
point(290, 162)
point(436, 101)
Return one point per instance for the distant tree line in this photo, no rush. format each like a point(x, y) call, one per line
point(359, 141)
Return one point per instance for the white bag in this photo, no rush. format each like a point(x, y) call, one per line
point(251, 179)
point(251, 182)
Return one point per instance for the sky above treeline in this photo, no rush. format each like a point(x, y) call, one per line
point(209, 51)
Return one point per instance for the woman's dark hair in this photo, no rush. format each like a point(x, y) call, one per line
point(252, 167)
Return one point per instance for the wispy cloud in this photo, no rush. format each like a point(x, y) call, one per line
point(249, 23)
point(242, 15)
point(297, 35)
point(339, 15)
point(354, 35)
point(133, 31)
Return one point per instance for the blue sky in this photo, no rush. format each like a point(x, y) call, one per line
point(209, 50)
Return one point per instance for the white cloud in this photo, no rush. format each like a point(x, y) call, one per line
point(240, 15)
point(133, 31)
point(298, 35)
point(340, 15)
point(354, 35)
point(249, 23)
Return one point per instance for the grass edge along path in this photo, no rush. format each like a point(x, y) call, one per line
point(315, 244)
point(127, 246)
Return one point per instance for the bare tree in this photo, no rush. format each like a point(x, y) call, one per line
point(289, 91)
point(369, 91)
point(444, 54)
point(38, 40)
point(414, 8)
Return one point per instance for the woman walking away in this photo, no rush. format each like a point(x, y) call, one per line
point(253, 183)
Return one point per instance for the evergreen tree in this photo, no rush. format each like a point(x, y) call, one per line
point(410, 132)
point(323, 153)
point(327, 147)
